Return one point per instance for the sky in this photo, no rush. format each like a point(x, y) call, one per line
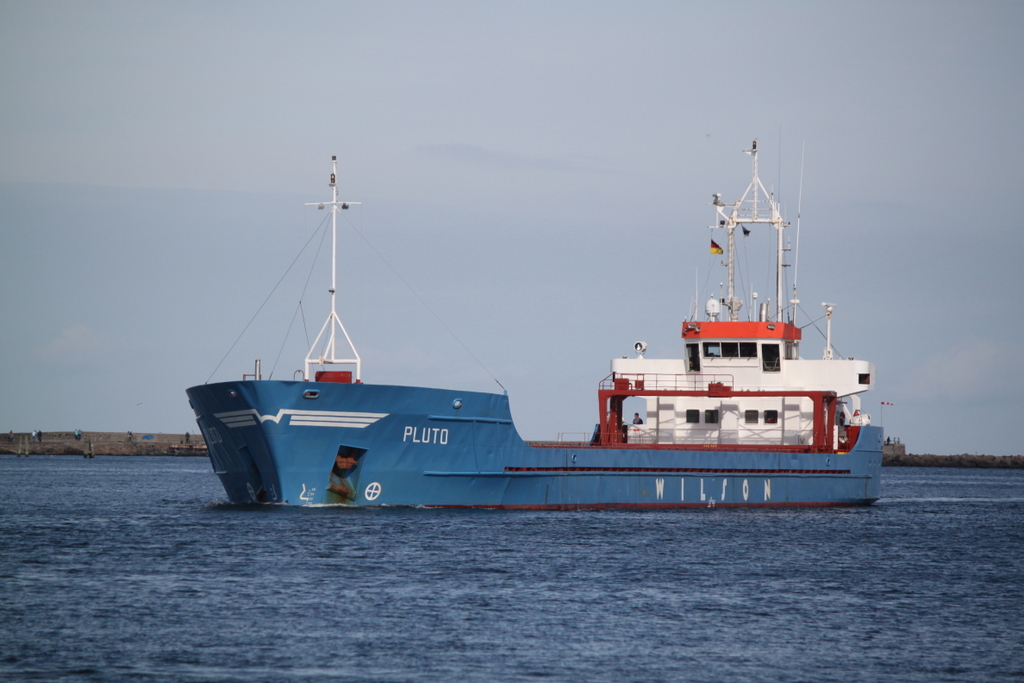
point(535, 182)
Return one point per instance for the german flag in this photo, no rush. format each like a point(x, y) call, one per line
point(715, 249)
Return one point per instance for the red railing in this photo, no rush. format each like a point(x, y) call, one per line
point(619, 381)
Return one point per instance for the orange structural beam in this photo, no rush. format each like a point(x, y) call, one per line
point(741, 330)
point(611, 429)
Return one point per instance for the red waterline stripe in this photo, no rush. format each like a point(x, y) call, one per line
point(660, 506)
point(701, 470)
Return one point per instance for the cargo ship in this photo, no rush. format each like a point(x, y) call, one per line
point(739, 419)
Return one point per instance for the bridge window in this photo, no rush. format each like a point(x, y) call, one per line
point(770, 358)
point(771, 417)
point(748, 349)
point(750, 416)
point(693, 357)
point(730, 350)
point(711, 417)
point(693, 416)
point(712, 350)
point(792, 350)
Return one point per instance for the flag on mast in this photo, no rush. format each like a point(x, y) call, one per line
point(715, 249)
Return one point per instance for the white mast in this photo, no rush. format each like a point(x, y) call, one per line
point(333, 321)
point(751, 209)
point(828, 330)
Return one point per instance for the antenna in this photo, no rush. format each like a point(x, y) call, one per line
point(696, 291)
point(778, 194)
point(799, 206)
point(333, 321)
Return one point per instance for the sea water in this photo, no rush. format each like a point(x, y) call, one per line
point(135, 569)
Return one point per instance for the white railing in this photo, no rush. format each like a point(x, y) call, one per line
point(637, 434)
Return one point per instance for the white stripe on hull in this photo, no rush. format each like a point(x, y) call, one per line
point(301, 418)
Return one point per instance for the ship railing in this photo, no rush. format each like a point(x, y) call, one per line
point(636, 434)
point(652, 436)
point(574, 437)
point(720, 437)
point(649, 381)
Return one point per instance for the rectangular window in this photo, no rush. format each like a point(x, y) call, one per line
point(711, 417)
point(864, 378)
point(792, 350)
point(712, 350)
point(693, 417)
point(693, 357)
point(730, 350)
point(770, 358)
point(748, 349)
point(750, 416)
point(771, 417)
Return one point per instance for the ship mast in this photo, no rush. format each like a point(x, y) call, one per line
point(333, 323)
point(756, 206)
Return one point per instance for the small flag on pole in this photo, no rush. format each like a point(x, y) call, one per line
point(886, 403)
point(745, 231)
point(715, 249)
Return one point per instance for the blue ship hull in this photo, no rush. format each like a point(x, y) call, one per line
point(322, 443)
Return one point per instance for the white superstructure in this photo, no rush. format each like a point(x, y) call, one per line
point(740, 382)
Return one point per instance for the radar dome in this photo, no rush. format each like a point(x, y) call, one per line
point(713, 308)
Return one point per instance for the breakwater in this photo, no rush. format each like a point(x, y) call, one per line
point(151, 443)
point(1015, 462)
point(894, 454)
point(86, 444)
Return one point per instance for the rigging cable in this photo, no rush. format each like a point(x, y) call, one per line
point(240, 334)
point(302, 296)
point(425, 304)
point(745, 269)
point(823, 336)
